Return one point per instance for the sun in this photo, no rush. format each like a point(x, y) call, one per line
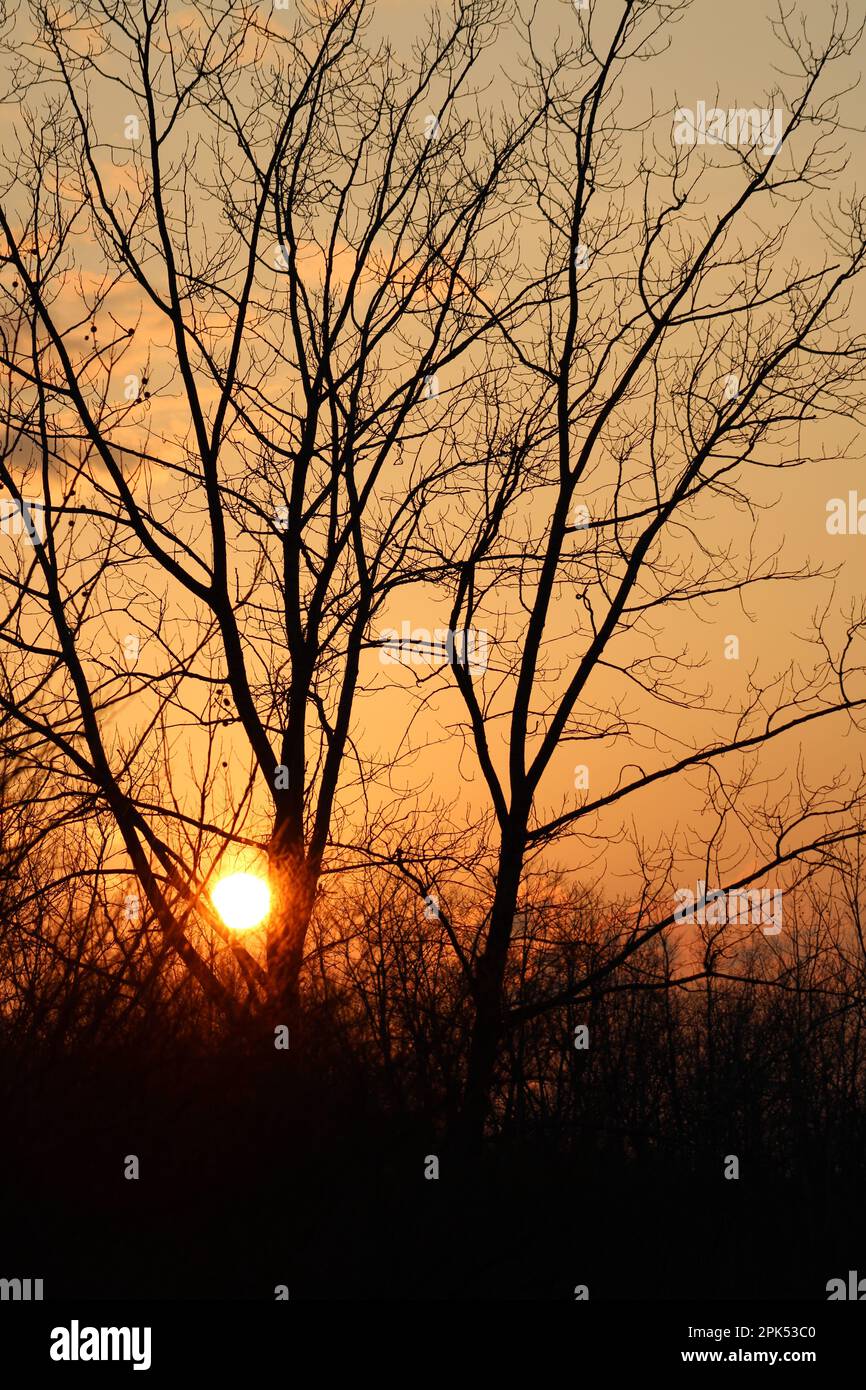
point(242, 900)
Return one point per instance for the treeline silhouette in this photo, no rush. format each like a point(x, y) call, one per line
point(613, 1119)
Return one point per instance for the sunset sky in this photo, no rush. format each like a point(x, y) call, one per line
point(724, 54)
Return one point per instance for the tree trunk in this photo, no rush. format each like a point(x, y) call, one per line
point(483, 1049)
point(293, 890)
point(489, 998)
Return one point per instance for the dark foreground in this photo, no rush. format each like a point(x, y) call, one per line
point(256, 1176)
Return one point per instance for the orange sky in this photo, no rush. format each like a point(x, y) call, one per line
point(722, 54)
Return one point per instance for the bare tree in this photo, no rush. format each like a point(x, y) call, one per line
point(293, 327)
point(224, 316)
point(678, 354)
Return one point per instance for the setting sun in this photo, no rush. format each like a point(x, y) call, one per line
point(242, 900)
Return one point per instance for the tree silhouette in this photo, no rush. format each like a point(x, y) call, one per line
point(233, 423)
point(295, 329)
